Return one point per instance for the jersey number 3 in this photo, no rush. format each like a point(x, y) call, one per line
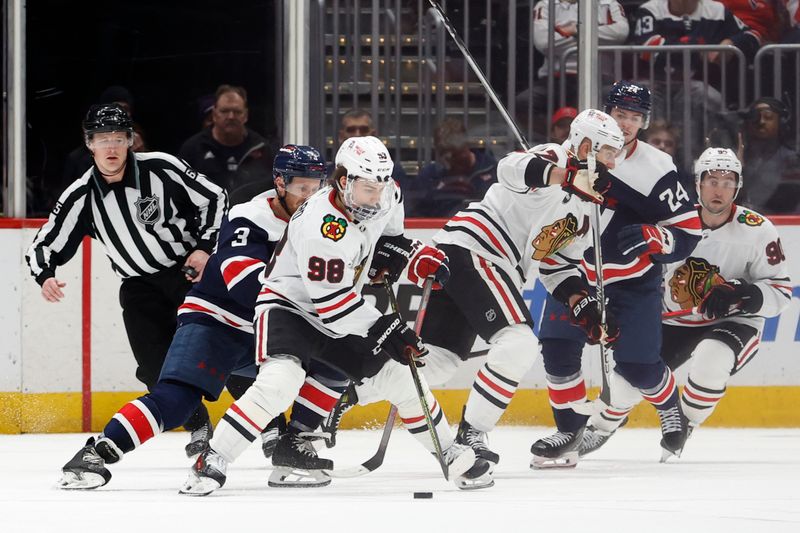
point(319, 269)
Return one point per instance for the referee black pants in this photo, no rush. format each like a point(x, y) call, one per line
point(150, 310)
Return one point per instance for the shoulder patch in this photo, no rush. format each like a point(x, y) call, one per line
point(333, 228)
point(749, 218)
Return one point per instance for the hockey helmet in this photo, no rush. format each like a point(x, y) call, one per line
point(369, 186)
point(106, 118)
point(631, 96)
point(296, 160)
point(599, 128)
point(717, 159)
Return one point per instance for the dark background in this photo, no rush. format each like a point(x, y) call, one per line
point(166, 53)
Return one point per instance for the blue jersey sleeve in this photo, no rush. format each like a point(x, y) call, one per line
point(243, 250)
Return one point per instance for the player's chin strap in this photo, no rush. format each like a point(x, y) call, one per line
point(590, 408)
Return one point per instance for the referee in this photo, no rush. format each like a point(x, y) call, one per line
point(157, 220)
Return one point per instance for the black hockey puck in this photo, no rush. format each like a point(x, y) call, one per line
point(423, 495)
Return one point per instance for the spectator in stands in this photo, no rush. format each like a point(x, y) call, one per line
point(229, 153)
point(792, 34)
point(662, 135)
point(773, 167)
point(459, 175)
point(560, 123)
point(205, 110)
point(613, 29)
point(766, 18)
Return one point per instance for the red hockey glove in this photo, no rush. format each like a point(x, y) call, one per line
point(391, 334)
point(732, 296)
point(586, 314)
point(425, 262)
point(641, 239)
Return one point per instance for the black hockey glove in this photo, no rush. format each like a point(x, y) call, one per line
point(588, 187)
point(390, 258)
point(391, 334)
point(586, 314)
point(735, 295)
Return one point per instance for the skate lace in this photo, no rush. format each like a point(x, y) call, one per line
point(476, 439)
point(558, 438)
point(201, 433)
point(211, 460)
point(304, 445)
point(451, 453)
point(91, 456)
point(670, 420)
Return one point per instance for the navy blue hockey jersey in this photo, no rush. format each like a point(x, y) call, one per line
point(227, 291)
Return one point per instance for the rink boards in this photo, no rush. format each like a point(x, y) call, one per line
point(68, 367)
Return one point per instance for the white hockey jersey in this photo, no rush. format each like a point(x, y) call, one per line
point(516, 226)
point(320, 265)
point(746, 247)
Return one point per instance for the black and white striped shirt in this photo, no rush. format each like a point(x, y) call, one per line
point(157, 214)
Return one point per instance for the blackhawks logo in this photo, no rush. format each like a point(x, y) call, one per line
point(691, 281)
point(333, 228)
point(750, 219)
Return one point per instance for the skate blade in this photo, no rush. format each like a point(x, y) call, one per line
point(481, 482)
point(568, 460)
point(198, 486)
point(286, 477)
point(666, 455)
point(82, 481)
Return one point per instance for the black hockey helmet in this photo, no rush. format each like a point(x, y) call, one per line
point(107, 117)
point(631, 96)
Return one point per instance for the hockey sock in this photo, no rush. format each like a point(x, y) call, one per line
point(665, 394)
point(197, 419)
point(137, 422)
point(166, 407)
point(712, 363)
point(317, 398)
point(278, 382)
point(624, 397)
point(415, 423)
point(562, 391)
point(698, 402)
point(490, 395)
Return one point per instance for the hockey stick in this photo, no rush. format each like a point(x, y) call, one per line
point(376, 460)
point(680, 313)
point(426, 411)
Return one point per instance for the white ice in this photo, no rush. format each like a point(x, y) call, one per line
point(728, 480)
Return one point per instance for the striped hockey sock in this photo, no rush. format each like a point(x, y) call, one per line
point(241, 424)
point(562, 391)
point(134, 424)
point(317, 398)
point(664, 395)
point(699, 402)
point(490, 395)
point(414, 421)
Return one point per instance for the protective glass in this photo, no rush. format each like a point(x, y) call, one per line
point(304, 187)
point(367, 199)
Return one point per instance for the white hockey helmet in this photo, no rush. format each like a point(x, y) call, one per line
point(717, 159)
point(370, 187)
point(598, 127)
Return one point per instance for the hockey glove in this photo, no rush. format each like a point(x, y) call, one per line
point(585, 185)
point(645, 239)
point(731, 296)
point(426, 262)
point(586, 315)
point(390, 258)
point(391, 334)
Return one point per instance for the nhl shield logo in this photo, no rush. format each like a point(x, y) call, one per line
point(491, 315)
point(148, 210)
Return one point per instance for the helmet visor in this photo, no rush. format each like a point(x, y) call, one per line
point(366, 198)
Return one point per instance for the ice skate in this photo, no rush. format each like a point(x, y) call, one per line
point(674, 431)
point(86, 470)
point(478, 441)
point(270, 435)
point(199, 439)
point(330, 425)
point(207, 474)
point(297, 464)
point(467, 471)
point(559, 450)
point(594, 438)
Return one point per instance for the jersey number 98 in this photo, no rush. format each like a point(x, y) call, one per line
point(319, 269)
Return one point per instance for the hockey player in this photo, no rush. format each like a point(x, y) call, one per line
point(648, 221)
point(735, 278)
point(540, 208)
point(311, 308)
point(215, 333)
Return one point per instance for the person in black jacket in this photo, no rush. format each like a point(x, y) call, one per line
point(229, 153)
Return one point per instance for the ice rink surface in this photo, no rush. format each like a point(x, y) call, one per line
point(728, 480)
